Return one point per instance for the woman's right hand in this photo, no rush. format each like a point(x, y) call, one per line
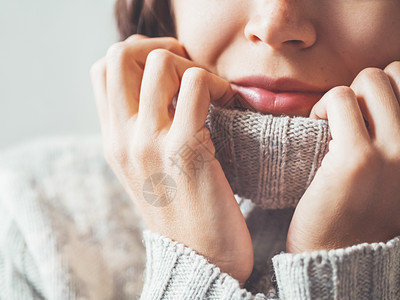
point(149, 145)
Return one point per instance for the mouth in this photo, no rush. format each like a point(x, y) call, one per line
point(283, 96)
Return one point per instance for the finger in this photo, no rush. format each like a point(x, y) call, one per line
point(125, 64)
point(136, 37)
point(346, 123)
point(161, 81)
point(393, 72)
point(98, 78)
point(379, 103)
point(146, 45)
point(198, 89)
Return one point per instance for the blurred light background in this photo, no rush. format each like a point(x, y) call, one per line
point(46, 50)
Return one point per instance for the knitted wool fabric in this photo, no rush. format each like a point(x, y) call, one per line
point(267, 159)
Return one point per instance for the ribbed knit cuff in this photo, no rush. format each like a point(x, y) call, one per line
point(364, 271)
point(174, 271)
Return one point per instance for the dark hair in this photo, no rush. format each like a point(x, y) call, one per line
point(153, 18)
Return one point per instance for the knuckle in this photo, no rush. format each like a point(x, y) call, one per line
point(172, 43)
point(117, 51)
point(370, 74)
point(343, 92)
point(393, 67)
point(159, 58)
point(341, 95)
point(194, 75)
point(171, 40)
point(135, 37)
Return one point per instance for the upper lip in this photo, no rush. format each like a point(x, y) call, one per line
point(283, 84)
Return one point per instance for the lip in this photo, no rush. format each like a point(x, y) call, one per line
point(278, 96)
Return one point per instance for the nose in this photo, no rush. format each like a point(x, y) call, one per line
point(280, 24)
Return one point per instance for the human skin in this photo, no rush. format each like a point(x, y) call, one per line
point(348, 48)
point(324, 43)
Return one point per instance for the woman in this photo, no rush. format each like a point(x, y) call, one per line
point(319, 59)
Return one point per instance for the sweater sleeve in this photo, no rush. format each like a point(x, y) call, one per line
point(174, 271)
point(364, 271)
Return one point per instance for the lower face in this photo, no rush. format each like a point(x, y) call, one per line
point(281, 56)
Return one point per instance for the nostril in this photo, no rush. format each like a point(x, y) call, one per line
point(297, 43)
point(254, 38)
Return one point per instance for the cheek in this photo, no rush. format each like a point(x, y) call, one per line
point(207, 32)
point(369, 36)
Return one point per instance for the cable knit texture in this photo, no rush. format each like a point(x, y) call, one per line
point(68, 230)
point(269, 160)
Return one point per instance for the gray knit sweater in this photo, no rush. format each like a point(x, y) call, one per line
point(68, 230)
point(270, 161)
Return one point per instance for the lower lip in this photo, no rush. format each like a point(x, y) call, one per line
point(287, 103)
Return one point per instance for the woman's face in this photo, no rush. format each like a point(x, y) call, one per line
point(262, 44)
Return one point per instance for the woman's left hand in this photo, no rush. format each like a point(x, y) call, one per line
point(355, 194)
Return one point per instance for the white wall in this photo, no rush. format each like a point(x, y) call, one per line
point(46, 50)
